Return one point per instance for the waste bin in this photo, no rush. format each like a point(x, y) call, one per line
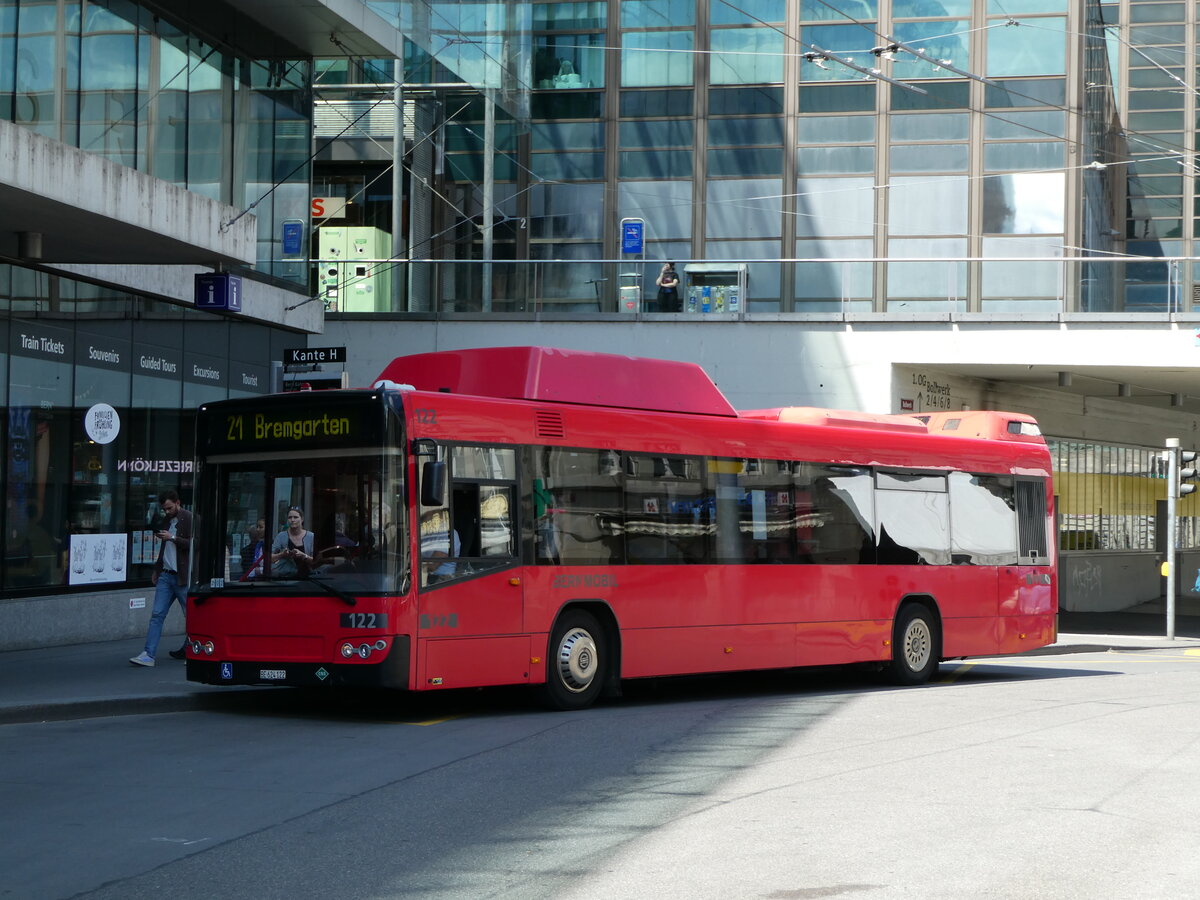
point(630, 292)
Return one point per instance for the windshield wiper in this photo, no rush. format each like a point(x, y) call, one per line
point(234, 588)
point(229, 589)
point(342, 595)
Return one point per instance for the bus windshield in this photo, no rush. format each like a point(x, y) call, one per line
point(331, 518)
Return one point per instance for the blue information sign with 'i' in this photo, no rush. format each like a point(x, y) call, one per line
point(632, 234)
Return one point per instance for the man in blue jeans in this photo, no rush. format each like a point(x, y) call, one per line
point(170, 576)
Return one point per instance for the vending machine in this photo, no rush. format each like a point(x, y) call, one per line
point(353, 274)
point(714, 287)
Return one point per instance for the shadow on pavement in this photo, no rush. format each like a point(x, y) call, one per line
point(1148, 619)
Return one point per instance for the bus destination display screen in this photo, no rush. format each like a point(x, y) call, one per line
point(256, 426)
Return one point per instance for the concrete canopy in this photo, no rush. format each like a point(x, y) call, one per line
point(1148, 385)
point(85, 209)
point(295, 27)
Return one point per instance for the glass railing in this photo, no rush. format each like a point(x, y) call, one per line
point(737, 288)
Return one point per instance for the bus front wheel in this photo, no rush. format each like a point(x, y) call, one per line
point(914, 646)
point(576, 662)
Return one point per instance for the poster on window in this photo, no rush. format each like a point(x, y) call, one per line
point(97, 558)
point(145, 548)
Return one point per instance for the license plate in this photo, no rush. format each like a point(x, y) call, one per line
point(272, 674)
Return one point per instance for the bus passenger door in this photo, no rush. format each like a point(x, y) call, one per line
point(471, 595)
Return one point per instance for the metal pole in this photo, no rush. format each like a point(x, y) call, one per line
point(398, 248)
point(1172, 499)
point(488, 216)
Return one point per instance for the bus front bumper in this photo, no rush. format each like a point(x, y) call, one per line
point(390, 672)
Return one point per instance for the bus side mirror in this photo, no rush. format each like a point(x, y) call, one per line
point(433, 481)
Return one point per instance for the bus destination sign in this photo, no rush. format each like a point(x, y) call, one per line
point(253, 428)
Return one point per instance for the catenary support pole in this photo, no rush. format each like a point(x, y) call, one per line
point(1172, 526)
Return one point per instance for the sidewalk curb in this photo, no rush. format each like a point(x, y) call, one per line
point(67, 710)
point(1066, 649)
point(231, 698)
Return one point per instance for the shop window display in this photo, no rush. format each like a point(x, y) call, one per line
point(97, 422)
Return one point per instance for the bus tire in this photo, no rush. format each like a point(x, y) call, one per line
point(915, 646)
point(576, 662)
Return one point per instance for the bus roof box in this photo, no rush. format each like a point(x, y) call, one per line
point(992, 425)
point(564, 376)
point(843, 418)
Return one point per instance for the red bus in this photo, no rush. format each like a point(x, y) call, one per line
point(565, 519)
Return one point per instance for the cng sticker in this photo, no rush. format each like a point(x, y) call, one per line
point(226, 671)
point(322, 674)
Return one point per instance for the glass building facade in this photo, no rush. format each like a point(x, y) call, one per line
point(1006, 158)
point(120, 80)
point(99, 389)
point(99, 384)
point(1040, 166)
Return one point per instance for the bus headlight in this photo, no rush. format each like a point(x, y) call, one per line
point(209, 648)
point(364, 651)
point(348, 650)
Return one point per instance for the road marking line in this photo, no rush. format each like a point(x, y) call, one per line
point(957, 673)
point(430, 721)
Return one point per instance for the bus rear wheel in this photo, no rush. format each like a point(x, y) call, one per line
point(914, 646)
point(576, 662)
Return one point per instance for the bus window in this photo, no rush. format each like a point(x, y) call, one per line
point(669, 513)
point(474, 532)
point(835, 514)
point(342, 527)
point(577, 507)
point(914, 519)
point(983, 520)
point(246, 523)
point(753, 511)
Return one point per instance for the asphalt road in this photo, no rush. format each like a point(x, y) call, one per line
point(1047, 776)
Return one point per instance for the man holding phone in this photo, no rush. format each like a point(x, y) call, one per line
point(170, 576)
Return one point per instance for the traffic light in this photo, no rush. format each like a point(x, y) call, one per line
point(1186, 473)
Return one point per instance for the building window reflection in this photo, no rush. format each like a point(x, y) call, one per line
point(98, 398)
point(123, 82)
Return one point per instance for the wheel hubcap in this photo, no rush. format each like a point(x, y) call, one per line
point(577, 660)
point(917, 644)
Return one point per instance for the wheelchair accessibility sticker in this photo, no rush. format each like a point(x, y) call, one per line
point(227, 671)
